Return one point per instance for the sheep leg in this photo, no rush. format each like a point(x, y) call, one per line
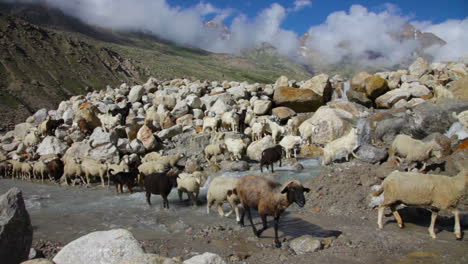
point(431, 227)
point(277, 242)
point(220, 209)
point(457, 229)
point(180, 194)
point(121, 187)
point(117, 188)
point(265, 225)
point(129, 186)
point(241, 222)
point(236, 209)
point(397, 216)
point(249, 215)
point(209, 203)
point(380, 216)
point(193, 198)
point(165, 202)
point(148, 197)
point(103, 182)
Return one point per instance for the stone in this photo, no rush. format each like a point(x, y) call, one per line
point(11, 146)
point(400, 104)
point(151, 85)
point(394, 79)
point(459, 88)
point(262, 107)
point(113, 246)
point(136, 93)
point(375, 87)
point(38, 261)
point(281, 82)
point(145, 135)
point(205, 258)
point(77, 136)
point(353, 108)
point(310, 151)
point(305, 244)
point(388, 99)
point(67, 116)
point(107, 153)
point(419, 67)
point(21, 130)
point(300, 100)
point(16, 231)
point(359, 98)
point(100, 137)
point(220, 107)
point(321, 85)
point(39, 117)
point(283, 113)
point(193, 101)
point(419, 90)
point(358, 82)
point(170, 132)
point(255, 149)
point(136, 147)
point(191, 166)
point(372, 154)
point(180, 109)
point(51, 145)
point(457, 71)
point(414, 102)
point(198, 113)
point(123, 145)
point(227, 165)
point(79, 150)
point(238, 92)
point(169, 101)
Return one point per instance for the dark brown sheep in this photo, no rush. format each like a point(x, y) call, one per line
point(269, 198)
point(83, 125)
point(124, 178)
point(162, 184)
point(270, 156)
point(55, 168)
point(242, 116)
point(52, 125)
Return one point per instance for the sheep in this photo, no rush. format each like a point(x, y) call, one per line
point(292, 126)
point(242, 119)
point(413, 150)
point(26, 170)
point(462, 118)
point(289, 143)
point(269, 198)
point(230, 119)
point(222, 190)
point(92, 167)
point(160, 183)
point(72, 169)
point(211, 123)
point(307, 131)
point(235, 148)
point(15, 168)
point(40, 168)
point(55, 168)
point(150, 167)
point(275, 130)
point(270, 156)
point(109, 122)
point(190, 184)
point(49, 126)
point(343, 146)
point(152, 156)
point(213, 150)
point(170, 160)
point(434, 192)
point(258, 130)
point(32, 139)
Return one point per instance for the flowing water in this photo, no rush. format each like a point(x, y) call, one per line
point(61, 213)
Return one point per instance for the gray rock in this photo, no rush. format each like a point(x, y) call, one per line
point(11, 146)
point(113, 246)
point(205, 258)
point(281, 82)
point(193, 101)
point(262, 107)
point(220, 107)
point(136, 93)
point(8, 137)
point(99, 137)
point(39, 117)
point(359, 98)
point(77, 136)
point(226, 165)
point(51, 145)
point(180, 109)
point(170, 132)
point(372, 154)
point(38, 261)
point(305, 244)
point(388, 99)
point(297, 166)
point(321, 85)
point(68, 116)
point(21, 130)
point(79, 150)
point(107, 152)
point(15, 228)
point(136, 146)
point(419, 67)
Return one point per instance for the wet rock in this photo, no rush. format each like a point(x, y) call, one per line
point(15, 228)
point(205, 258)
point(305, 244)
point(281, 82)
point(419, 67)
point(359, 98)
point(297, 166)
point(310, 151)
point(136, 93)
point(254, 150)
point(372, 154)
point(321, 85)
point(375, 87)
point(300, 100)
point(262, 107)
point(358, 82)
point(113, 246)
point(234, 165)
point(51, 145)
point(283, 113)
point(170, 132)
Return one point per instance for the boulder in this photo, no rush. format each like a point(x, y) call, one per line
point(283, 113)
point(180, 109)
point(442, 140)
point(419, 90)
point(170, 132)
point(305, 244)
point(359, 98)
point(100, 137)
point(16, 231)
point(321, 85)
point(205, 258)
point(108, 153)
point(39, 117)
point(192, 165)
point(254, 150)
point(77, 136)
point(310, 151)
point(372, 154)
point(79, 150)
point(459, 88)
point(38, 261)
point(262, 107)
point(169, 101)
point(145, 135)
point(136, 93)
point(51, 145)
point(113, 246)
point(281, 82)
point(10, 146)
point(226, 165)
point(300, 100)
point(151, 85)
point(457, 71)
point(358, 82)
point(419, 67)
point(394, 79)
point(390, 98)
point(355, 109)
point(375, 87)
point(67, 116)
point(220, 107)
point(21, 130)
point(193, 101)
point(238, 92)
point(136, 147)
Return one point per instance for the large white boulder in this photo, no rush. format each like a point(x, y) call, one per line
point(254, 150)
point(51, 145)
point(136, 93)
point(205, 258)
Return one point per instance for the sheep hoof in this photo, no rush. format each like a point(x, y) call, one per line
point(277, 244)
point(401, 226)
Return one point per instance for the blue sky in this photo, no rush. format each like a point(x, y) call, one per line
point(435, 11)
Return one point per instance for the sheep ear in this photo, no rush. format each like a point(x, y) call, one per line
point(234, 191)
point(229, 193)
point(306, 189)
point(285, 189)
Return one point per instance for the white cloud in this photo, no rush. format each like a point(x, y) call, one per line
point(300, 4)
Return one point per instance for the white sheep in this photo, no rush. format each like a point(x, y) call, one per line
point(274, 129)
point(170, 161)
point(230, 119)
point(307, 131)
point(151, 167)
point(258, 130)
point(40, 168)
point(213, 150)
point(32, 139)
point(152, 156)
point(292, 126)
point(435, 192)
point(235, 148)
point(413, 150)
point(462, 118)
point(72, 170)
point(340, 147)
point(290, 144)
point(94, 168)
point(211, 123)
point(15, 168)
point(109, 122)
point(26, 170)
point(222, 190)
point(190, 184)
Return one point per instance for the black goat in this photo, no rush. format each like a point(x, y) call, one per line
point(124, 177)
point(122, 111)
point(162, 184)
point(52, 125)
point(270, 156)
point(242, 116)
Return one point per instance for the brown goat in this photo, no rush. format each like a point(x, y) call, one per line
point(269, 198)
point(83, 125)
point(55, 168)
point(160, 183)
